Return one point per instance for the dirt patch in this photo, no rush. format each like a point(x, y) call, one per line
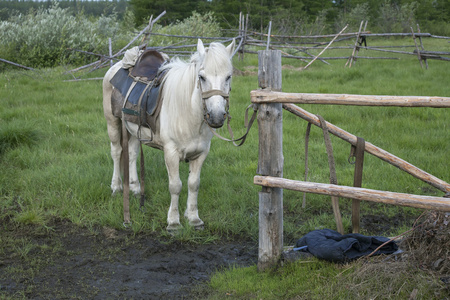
point(67, 261)
point(383, 225)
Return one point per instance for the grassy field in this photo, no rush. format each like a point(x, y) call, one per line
point(55, 163)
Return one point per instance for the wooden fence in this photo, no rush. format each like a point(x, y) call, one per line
point(270, 164)
point(292, 47)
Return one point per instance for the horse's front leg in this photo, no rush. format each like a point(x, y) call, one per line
point(191, 213)
point(172, 161)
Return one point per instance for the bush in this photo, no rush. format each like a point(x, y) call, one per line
point(45, 38)
point(361, 12)
point(397, 18)
point(196, 25)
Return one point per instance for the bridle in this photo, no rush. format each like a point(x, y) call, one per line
point(248, 124)
point(208, 94)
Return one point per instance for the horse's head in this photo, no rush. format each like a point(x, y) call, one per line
point(214, 81)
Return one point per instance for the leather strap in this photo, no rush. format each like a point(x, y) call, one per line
point(210, 93)
point(142, 202)
point(126, 175)
point(333, 177)
point(308, 131)
point(248, 124)
point(358, 153)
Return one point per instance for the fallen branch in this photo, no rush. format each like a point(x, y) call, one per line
point(16, 64)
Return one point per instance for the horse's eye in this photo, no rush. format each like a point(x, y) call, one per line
point(201, 78)
point(228, 78)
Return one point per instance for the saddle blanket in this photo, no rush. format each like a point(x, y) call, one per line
point(122, 81)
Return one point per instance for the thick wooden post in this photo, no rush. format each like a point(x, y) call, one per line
point(270, 162)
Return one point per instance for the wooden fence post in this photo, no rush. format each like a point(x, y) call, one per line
point(270, 122)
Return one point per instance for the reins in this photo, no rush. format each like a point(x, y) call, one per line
point(247, 124)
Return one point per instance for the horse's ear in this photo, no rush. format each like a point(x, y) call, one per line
point(230, 48)
point(200, 48)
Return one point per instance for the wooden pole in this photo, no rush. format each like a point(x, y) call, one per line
point(268, 36)
point(425, 202)
point(270, 162)
point(372, 149)
point(349, 61)
point(417, 48)
point(240, 34)
point(265, 96)
point(421, 46)
point(360, 41)
point(329, 44)
point(110, 52)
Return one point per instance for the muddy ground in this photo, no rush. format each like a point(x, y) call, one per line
point(66, 261)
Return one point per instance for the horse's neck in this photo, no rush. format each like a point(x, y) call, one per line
point(185, 109)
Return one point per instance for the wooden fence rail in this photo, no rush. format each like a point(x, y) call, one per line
point(401, 199)
point(265, 96)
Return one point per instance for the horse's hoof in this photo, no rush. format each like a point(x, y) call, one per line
point(200, 227)
point(116, 192)
point(173, 228)
point(136, 190)
point(197, 224)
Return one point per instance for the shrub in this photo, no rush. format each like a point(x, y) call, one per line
point(397, 18)
point(196, 25)
point(357, 14)
point(45, 37)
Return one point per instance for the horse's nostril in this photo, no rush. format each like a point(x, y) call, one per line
point(208, 116)
point(224, 116)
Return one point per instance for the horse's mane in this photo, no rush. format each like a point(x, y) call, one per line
point(181, 79)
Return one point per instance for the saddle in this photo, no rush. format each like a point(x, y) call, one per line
point(137, 89)
point(147, 65)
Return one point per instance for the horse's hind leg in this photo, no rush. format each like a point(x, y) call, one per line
point(133, 150)
point(115, 134)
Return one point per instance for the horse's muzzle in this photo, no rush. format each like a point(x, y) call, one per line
point(216, 111)
point(215, 119)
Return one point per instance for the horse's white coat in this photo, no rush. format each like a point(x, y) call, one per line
point(183, 134)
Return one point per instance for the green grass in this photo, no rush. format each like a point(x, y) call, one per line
point(55, 163)
point(314, 279)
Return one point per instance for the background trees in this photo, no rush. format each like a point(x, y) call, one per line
point(44, 33)
point(288, 16)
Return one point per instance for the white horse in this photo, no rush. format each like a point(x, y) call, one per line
point(195, 97)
